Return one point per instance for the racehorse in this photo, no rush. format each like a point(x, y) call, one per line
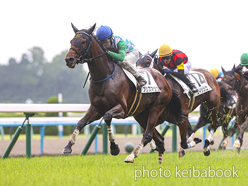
point(112, 94)
point(226, 113)
point(209, 101)
point(237, 80)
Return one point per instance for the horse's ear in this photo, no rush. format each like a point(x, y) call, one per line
point(233, 69)
point(91, 29)
point(74, 28)
point(153, 53)
point(223, 70)
point(140, 54)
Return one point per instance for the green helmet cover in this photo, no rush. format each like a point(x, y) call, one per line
point(244, 59)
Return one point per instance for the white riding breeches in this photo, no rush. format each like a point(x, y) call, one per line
point(132, 57)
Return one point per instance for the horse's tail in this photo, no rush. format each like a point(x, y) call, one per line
point(175, 107)
point(226, 96)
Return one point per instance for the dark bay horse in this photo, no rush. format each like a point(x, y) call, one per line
point(226, 113)
point(112, 94)
point(239, 82)
point(209, 101)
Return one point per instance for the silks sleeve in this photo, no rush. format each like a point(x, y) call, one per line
point(180, 68)
point(120, 56)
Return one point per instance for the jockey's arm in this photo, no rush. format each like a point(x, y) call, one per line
point(120, 56)
point(180, 68)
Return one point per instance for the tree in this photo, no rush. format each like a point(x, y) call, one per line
point(38, 60)
point(38, 80)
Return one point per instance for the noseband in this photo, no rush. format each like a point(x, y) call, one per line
point(85, 52)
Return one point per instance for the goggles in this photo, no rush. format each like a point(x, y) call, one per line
point(164, 58)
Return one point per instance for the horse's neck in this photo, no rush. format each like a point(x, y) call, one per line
point(155, 66)
point(243, 87)
point(100, 68)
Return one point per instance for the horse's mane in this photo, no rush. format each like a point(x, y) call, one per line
point(238, 70)
point(226, 95)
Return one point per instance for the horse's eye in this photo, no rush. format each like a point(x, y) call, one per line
point(83, 42)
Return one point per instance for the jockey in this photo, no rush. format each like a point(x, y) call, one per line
point(244, 63)
point(174, 61)
point(217, 74)
point(127, 53)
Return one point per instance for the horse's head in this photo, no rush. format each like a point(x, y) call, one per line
point(146, 60)
point(81, 46)
point(230, 77)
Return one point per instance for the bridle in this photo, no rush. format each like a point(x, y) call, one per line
point(84, 56)
point(85, 52)
point(234, 85)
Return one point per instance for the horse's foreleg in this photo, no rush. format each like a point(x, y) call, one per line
point(117, 112)
point(239, 141)
point(147, 119)
point(225, 135)
point(183, 129)
point(90, 116)
point(159, 139)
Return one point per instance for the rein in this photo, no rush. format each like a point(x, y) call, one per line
point(82, 55)
point(105, 78)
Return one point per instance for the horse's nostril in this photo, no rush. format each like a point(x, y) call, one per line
point(69, 60)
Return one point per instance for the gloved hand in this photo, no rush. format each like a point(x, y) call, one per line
point(166, 70)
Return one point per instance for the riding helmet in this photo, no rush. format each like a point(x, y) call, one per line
point(164, 51)
point(104, 32)
point(244, 59)
point(215, 72)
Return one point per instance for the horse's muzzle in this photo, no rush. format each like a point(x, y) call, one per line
point(70, 62)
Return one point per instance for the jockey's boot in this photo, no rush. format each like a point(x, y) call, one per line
point(130, 68)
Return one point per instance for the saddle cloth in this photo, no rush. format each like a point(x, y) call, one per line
point(198, 79)
point(151, 85)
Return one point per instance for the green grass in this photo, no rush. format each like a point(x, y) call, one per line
point(111, 170)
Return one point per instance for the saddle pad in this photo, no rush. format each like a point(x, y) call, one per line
point(151, 85)
point(198, 79)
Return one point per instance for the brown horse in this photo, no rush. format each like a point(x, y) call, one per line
point(239, 82)
point(112, 94)
point(209, 101)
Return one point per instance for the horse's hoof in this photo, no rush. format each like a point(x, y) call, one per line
point(223, 149)
point(129, 159)
point(224, 144)
point(114, 150)
point(238, 151)
point(197, 140)
point(66, 150)
point(207, 153)
point(182, 153)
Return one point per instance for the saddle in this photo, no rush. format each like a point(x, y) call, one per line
point(150, 87)
point(196, 78)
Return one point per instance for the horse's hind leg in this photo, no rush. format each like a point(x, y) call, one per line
point(90, 116)
point(118, 112)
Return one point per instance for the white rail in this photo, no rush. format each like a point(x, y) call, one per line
point(44, 107)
